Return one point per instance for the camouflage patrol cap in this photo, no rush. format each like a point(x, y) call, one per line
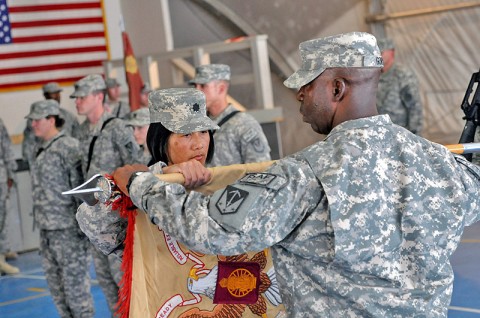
point(51, 87)
point(385, 44)
point(180, 110)
point(355, 49)
point(88, 85)
point(111, 83)
point(43, 108)
point(206, 73)
point(138, 118)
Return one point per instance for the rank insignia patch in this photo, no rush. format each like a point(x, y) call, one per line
point(231, 200)
point(258, 179)
point(237, 283)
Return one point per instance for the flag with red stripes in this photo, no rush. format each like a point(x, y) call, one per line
point(50, 40)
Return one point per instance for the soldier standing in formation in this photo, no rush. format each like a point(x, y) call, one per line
point(63, 246)
point(50, 91)
point(114, 105)
point(240, 138)
point(106, 144)
point(398, 91)
point(7, 179)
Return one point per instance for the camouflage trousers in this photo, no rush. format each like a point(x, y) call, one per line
point(3, 218)
point(109, 275)
point(66, 261)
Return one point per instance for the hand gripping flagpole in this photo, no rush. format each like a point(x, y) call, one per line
point(100, 189)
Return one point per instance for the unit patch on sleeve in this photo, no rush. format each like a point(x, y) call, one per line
point(231, 200)
point(258, 179)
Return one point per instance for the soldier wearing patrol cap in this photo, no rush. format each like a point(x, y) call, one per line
point(139, 120)
point(114, 105)
point(106, 144)
point(398, 93)
point(174, 113)
point(240, 138)
point(64, 248)
point(361, 224)
point(146, 89)
point(51, 90)
point(180, 135)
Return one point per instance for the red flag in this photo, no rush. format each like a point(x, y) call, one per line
point(134, 79)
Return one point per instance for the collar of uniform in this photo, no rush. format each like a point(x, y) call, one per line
point(378, 120)
point(229, 109)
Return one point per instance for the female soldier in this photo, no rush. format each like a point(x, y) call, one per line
point(181, 136)
point(64, 248)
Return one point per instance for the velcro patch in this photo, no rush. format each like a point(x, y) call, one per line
point(258, 179)
point(231, 200)
point(249, 135)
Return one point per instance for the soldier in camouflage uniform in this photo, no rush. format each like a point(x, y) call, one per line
point(64, 248)
point(7, 178)
point(50, 91)
point(146, 89)
point(139, 120)
point(106, 144)
point(240, 138)
point(114, 105)
point(361, 224)
point(398, 91)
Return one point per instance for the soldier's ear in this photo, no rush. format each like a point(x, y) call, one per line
point(339, 87)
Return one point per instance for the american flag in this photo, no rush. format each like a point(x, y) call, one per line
point(50, 40)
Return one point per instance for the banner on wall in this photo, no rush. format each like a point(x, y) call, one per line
point(50, 40)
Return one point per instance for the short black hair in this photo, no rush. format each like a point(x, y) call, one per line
point(157, 143)
point(59, 122)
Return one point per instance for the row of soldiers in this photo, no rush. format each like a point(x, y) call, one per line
point(63, 153)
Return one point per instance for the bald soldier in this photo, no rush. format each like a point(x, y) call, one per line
point(361, 224)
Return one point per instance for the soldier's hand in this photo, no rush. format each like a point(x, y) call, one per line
point(193, 171)
point(122, 175)
point(10, 183)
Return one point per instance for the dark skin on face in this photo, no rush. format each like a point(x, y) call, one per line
point(338, 95)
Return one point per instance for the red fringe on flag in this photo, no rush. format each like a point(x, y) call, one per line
point(127, 210)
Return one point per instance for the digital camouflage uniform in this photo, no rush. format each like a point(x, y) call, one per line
point(119, 109)
point(140, 118)
point(361, 224)
point(180, 111)
point(239, 140)
point(398, 95)
point(114, 147)
point(64, 248)
point(341, 247)
point(30, 142)
point(7, 167)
